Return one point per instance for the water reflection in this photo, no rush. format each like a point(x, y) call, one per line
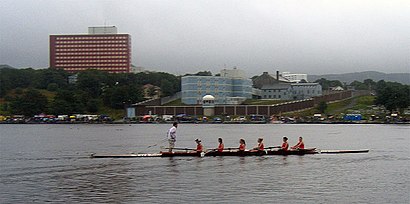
point(109, 182)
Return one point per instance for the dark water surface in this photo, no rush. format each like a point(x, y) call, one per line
point(50, 163)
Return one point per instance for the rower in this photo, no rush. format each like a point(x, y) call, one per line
point(221, 145)
point(285, 144)
point(299, 145)
point(242, 145)
point(199, 147)
point(260, 146)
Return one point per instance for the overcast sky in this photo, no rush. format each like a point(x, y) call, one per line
point(313, 37)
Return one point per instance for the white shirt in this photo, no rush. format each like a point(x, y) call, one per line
point(172, 133)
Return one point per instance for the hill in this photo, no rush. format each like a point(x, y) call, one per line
point(5, 66)
point(403, 78)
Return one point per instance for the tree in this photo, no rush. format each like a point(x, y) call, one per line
point(204, 73)
point(322, 106)
point(92, 105)
point(67, 102)
point(92, 82)
point(118, 96)
point(326, 84)
point(392, 95)
point(29, 103)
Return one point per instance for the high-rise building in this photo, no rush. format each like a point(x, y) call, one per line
point(103, 48)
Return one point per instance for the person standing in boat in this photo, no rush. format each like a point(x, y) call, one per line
point(199, 146)
point(172, 136)
point(242, 145)
point(221, 145)
point(299, 145)
point(285, 145)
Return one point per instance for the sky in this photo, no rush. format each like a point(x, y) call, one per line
point(187, 36)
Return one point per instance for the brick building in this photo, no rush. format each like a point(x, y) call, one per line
point(102, 48)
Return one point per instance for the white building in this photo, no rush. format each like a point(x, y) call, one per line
point(294, 78)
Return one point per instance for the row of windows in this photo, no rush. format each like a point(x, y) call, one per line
point(270, 96)
point(96, 45)
point(92, 57)
point(89, 65)
point(270, 91)
point(91, 53)
point(91, 49)
point(91, 42)
point(99, 68)
point(92, 38)
point(85, 61)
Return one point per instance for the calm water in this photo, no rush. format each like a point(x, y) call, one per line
point(49, 163)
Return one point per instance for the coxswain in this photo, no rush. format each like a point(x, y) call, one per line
point(199, 147)
point(172, 136)
point(242, 145)
point(221, 145)
point(300, 144)
point(285, 144)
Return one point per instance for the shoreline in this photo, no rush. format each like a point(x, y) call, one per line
point(223, 123)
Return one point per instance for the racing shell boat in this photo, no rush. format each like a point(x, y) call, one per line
point(228, 152)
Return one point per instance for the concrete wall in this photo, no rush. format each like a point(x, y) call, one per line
point(245, 109)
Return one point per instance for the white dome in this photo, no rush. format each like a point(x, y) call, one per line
point(208, 98)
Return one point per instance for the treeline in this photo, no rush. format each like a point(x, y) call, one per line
point(392, 95)
point(29, 91)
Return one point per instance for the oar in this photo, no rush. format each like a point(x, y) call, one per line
point(273, 147)
point(179, 148)
point(157, 143)
point(228, 148)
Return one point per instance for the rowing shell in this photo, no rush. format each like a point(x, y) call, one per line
point(229, 153)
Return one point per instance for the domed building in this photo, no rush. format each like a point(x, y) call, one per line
point(208, 104)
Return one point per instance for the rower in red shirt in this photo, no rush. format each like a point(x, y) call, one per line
point(199, 147)
point(221, 145)
point(242, 145)
point(285, 144)
point(260, 146)
point(299, 145)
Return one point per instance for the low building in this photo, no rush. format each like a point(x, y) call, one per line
point(267, 79)
point(291, 91)
point(280, 88)
point(230, 87)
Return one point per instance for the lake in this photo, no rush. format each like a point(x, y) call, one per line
point(50, 163)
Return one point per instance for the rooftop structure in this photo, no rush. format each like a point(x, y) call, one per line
point(295, 78)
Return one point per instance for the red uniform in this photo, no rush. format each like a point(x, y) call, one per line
point(285, 146)
point(199, 148)
point(299, 145)
point(221, 147)
point(261, 146)
point(242, 147)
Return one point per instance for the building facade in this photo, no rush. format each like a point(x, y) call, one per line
point(102, 49)
point(294, 78)
point(229, 88)
point(291, 91)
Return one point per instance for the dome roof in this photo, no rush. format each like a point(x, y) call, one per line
point(208, 98)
